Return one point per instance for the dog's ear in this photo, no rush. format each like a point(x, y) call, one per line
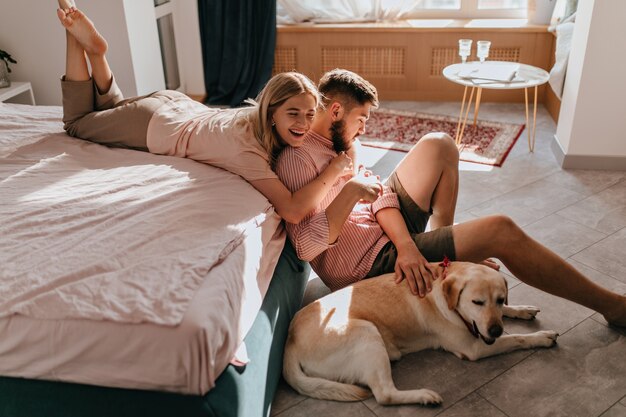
point(452, 287)
point(506, 294)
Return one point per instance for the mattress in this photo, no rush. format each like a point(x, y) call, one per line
point(122, 268)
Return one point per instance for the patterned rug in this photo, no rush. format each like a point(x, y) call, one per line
point(487, 143)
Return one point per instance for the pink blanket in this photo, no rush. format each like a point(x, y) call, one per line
point(121, 268)
point(92, 232)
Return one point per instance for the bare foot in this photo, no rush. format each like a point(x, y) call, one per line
point(67, 4)
point(618, 316)
point(83, 30)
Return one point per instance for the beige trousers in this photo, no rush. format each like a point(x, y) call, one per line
point(108, 118)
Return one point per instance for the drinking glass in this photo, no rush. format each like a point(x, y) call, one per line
point(465, 47)
point(482, 50)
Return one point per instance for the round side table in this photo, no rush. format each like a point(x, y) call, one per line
point(476, 75)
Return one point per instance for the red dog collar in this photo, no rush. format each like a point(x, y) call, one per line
point(445, 264)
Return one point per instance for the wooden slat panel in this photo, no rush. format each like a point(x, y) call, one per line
point(366, 61)
point(406, 64)
point(285, 59)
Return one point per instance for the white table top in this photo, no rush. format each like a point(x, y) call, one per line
point(527, 75)
point(15, 88)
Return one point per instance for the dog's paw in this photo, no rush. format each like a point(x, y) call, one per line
point(428, 397)
point(546, 338)
point(521, 312)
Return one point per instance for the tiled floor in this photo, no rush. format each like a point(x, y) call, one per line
point(581, 215)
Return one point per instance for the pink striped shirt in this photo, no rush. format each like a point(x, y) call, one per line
point(350, 258)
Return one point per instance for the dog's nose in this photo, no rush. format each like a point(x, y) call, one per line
point(495, 330)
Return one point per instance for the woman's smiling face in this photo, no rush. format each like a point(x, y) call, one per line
point(293, 119)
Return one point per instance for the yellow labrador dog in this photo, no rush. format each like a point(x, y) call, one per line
point(343, 342)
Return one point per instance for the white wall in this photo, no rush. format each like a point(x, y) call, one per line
point(38, 44)
point(143, 38)
point(592, 120)
point(189, 46)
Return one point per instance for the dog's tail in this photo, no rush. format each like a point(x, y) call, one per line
point(323, 389)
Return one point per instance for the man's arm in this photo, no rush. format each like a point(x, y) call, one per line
point(410, 263)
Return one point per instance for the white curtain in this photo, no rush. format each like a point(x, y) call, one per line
point(335, 11)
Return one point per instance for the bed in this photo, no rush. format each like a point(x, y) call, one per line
point(134, 284)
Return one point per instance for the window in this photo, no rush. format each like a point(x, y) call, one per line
point(292, 11)
point(468, 9)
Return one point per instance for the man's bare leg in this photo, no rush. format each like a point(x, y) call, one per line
point(430, 175)
point(82, 32)
point(534, 264)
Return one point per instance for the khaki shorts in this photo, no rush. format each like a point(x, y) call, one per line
point(434, 245)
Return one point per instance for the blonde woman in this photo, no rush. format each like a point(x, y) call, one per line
point(244, 141)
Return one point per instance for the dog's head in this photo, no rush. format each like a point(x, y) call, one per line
point(477, 293)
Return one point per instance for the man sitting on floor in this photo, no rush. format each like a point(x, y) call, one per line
point(346, 240)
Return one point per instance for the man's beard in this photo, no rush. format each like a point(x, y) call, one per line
point(336, 135)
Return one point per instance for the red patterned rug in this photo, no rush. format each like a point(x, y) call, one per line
point(486, 143)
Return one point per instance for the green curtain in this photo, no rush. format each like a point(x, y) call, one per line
point(238, 41)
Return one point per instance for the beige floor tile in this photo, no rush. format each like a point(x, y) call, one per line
point(618, 410)
point(285, 398)
point(604, 211)
point(445, 374)
point(582, 376)
point(586, 182)
point(472, 406)
point(562, 236)
point(528, 203)
point(556, 313)
point(515, 173)
point(314, 408)
point(607, 256)
point(473, 193)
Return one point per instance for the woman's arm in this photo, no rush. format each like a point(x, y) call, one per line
point(293, 207)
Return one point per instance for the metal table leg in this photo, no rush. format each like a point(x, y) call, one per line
point(531, 140)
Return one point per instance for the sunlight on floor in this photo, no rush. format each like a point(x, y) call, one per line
point(470, 166)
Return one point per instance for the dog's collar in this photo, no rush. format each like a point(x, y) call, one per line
point(471, 327)
point(445, 264)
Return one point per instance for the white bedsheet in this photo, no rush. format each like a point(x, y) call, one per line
point(98, 238)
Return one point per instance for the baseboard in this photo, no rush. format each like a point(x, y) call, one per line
point(607, 163)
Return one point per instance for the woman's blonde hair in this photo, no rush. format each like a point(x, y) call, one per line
point(278, 89)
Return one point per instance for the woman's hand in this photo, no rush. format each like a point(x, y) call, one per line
point(412, 266)
point(342, 164)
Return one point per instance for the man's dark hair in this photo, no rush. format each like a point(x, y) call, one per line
point(348, 88)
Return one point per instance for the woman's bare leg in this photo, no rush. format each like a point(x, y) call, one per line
point(83, 35)
point(534, 264)
point(75, 61)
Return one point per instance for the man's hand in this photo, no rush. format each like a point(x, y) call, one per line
point(368, 184)
point(412, 266)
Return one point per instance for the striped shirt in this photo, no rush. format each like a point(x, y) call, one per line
point(350, 258)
